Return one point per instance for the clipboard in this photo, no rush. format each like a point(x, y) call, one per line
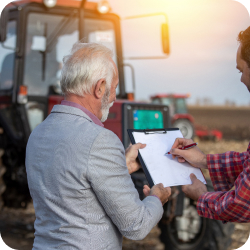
point(148, 132)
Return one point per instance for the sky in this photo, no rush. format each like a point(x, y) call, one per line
point(203, 40)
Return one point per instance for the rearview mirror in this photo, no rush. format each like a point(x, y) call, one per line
point(147, 41)
point(165, 38)
point(3, 25)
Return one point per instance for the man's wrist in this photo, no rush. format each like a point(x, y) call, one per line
point(156, 197)
point(129, 168)
point(200, 194)
point(204, 162)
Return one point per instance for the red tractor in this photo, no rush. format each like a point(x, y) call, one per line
point(178, 112)
point(34, 37)
point(181, 119)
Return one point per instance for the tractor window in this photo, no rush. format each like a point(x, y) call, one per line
point(167, 101)
point(103, 32)
point(156, 101)
point(181, 107)
point(46, 45)
point(7, 57)
point(100, 31)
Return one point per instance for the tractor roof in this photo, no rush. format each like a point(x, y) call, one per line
point(67, 3)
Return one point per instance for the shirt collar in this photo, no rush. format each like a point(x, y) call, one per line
point(87, 112)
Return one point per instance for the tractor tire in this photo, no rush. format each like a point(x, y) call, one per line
point(186, 128)
point(192, 232)
point(2, 185)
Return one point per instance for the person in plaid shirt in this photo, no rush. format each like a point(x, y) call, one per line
point(228, 170)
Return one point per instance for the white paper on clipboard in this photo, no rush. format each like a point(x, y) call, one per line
point(163, 168)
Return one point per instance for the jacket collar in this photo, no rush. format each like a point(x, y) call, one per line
point(86, 111)
point(70, 110)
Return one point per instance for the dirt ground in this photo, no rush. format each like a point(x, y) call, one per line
point(233, 122)
point(17, 226)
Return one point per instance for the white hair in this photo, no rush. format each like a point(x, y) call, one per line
point(85, 66)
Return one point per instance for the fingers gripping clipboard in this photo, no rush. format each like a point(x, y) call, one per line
point(157, 166)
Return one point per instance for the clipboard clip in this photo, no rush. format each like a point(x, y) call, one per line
point(155, 131)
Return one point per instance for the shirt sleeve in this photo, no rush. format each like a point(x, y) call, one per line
point(114, 188)
point(227, 170)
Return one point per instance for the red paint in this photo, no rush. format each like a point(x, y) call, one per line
point(114, 121)
point(54, 100)
point(5, 100)
point(209, 134)
point(182, 116)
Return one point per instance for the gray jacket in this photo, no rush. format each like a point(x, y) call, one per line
point(83, 195)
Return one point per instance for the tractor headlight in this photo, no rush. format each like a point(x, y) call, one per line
point(103, 7)
point(50, 3)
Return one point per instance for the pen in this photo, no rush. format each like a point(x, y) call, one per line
point(185, 147)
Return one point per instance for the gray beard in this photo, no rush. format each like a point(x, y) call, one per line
point(106, 105)
point(105, 112)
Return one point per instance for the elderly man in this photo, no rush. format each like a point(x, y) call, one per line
point(78, 174)
point(226, 170)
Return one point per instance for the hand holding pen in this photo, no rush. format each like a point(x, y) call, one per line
point(185, 147)
point(194, 156)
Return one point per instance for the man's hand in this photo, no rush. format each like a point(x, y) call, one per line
point(194, 155)
point(196, 189)
point(131, 155)
point(158, 190)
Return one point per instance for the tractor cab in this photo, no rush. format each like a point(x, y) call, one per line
point(36, 39)
point(35, 35)
point(177, 103)
point(180, 117)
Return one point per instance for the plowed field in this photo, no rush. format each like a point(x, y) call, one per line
point(234, 122)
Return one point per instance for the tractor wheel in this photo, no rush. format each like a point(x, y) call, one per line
point(186, 128)
point(192, 232)
point(2, 185)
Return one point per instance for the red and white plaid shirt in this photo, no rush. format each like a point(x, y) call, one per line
point(228, 170)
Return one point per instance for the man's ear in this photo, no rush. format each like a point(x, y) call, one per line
point(100, 88)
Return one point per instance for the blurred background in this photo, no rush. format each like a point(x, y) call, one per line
point(197, 80)
point(203, 44)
